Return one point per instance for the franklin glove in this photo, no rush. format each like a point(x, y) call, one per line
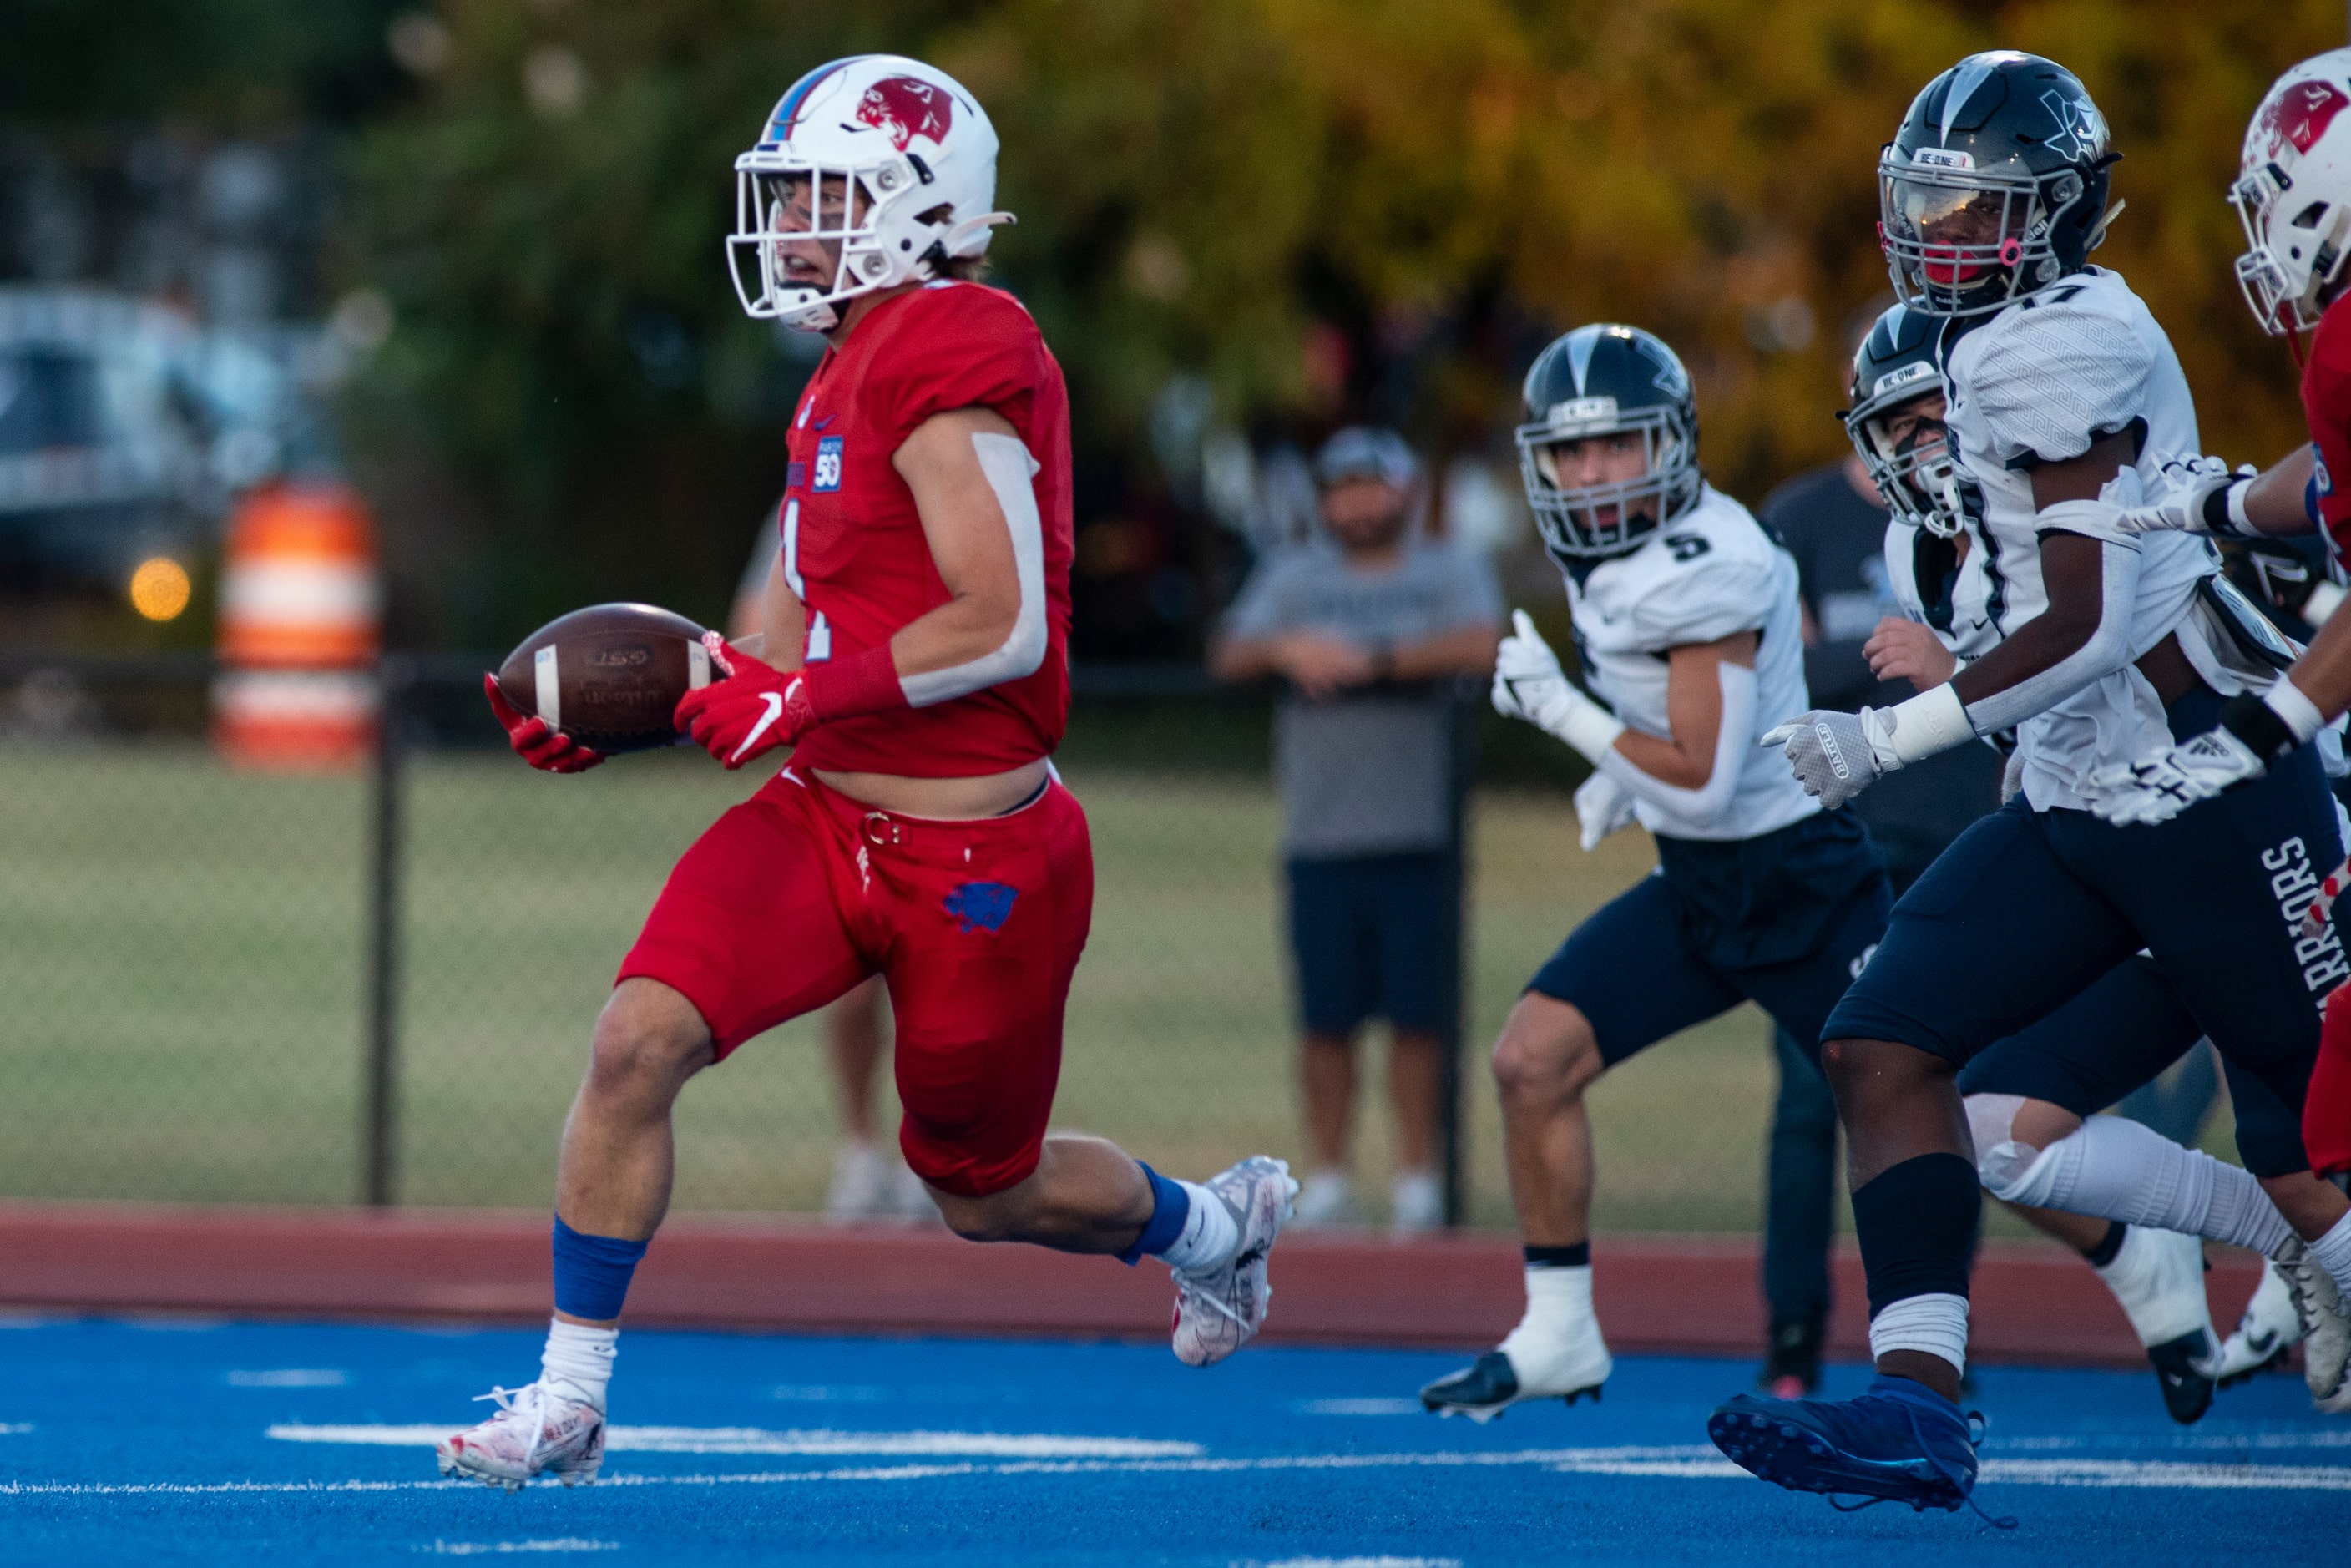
point(549, 750)
point(1529, 684)
point(1836, 756)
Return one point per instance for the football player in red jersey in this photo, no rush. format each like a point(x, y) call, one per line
point(2293, 192)
point(914, 657)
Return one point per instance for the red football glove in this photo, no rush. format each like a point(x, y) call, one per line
point(755, 707)
point(751, 708)
point(549, 750)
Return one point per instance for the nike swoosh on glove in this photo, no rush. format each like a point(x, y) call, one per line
point(2184, 490)
point(549, 750)
point(1835, 756)
point(2144, 793)
point(1602, 806)
point(754, 708)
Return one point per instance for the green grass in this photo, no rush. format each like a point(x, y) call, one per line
point(180, 983)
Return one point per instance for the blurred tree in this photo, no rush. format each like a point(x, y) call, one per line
point(1216, 188)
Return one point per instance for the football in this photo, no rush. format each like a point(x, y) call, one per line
point(609, 676)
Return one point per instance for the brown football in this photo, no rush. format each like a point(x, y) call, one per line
point(609, 676)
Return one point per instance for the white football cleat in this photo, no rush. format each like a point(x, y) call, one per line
point(2325, 1331)
point(1220, 1309)
point(535, 1433)
point(2270, 1327)
point(860, 1187)
point(1416, 1203)
point(1553, 1360)
point(2159, 1278)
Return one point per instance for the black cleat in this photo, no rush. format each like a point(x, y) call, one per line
point(1791, 1361)
point(1484, 1388)
point(2180, 1368)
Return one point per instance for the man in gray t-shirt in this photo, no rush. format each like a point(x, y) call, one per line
point(1368, 626)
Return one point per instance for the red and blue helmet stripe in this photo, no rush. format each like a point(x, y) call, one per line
point(788, 108)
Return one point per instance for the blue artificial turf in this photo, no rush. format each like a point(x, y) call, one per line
point(151, 1444)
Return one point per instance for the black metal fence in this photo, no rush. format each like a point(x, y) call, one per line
point(225, 985)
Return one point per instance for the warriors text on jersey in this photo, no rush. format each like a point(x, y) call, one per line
point(853, 544)
point(2042, 382)
point(1709, 574)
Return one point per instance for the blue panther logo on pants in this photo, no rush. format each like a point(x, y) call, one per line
point(981, 906)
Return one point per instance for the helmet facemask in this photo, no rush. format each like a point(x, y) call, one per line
point(2286, 292)
point(1961, 241)
point(1571, 516)
point(1913, 466)
point(782, 207)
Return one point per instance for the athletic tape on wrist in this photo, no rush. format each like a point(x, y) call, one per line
point(2290, 702)
point(1935, 720)
point(1587, 727)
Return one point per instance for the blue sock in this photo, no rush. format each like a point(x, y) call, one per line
point(593, 1272)
point(1171, 1206)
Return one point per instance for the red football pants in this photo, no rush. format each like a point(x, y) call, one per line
point(795, 895)
point(2327, 1106)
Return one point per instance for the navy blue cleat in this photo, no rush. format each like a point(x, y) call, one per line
point(1900, 1441)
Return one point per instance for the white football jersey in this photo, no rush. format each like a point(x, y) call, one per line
point(2062, 367)
point(1960, 604)
point(1710, 574)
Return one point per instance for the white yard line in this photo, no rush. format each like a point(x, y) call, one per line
point(756, 1440)
point(1692, 1462)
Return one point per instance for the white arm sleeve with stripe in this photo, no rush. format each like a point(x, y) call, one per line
point(2107, 648)
point(1010, 471)
point(1732, 743)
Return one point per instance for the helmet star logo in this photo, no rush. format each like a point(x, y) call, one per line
point(906, 108)
point(2081, 133)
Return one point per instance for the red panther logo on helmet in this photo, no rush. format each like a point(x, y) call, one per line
point(908, 107)
point(2302, 114)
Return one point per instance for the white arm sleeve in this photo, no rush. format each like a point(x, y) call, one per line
point(2107, 650)
point(1009, 469)
point(1732, 743)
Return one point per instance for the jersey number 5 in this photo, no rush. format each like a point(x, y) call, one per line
point(1688, 547)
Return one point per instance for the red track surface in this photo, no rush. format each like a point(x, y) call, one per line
point(1687, 1294)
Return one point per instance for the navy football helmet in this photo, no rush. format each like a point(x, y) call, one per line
point(1605, 380)
point(1994, 186)
point(1898, 363)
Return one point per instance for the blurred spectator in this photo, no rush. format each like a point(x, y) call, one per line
point(869, 1181)
point(1368, 625)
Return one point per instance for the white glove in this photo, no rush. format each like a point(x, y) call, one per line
point(1836, 756)
point(2197, 768)
point(2184, 488)
point(1529, 684)
point(1602, 806)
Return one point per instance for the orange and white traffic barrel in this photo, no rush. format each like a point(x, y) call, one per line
point(301, 626)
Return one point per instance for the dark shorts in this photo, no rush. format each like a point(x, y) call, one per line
point(2126, 1028)
point(1376, 936)
point(2030, 909)
point(1783, 920)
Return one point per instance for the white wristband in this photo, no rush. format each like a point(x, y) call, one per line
point(2238, 490)
point(1586, 726)
point(1935, 720)
point(2300, 715)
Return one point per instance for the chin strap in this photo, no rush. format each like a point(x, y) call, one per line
point(2098, 231)
point(951, 243)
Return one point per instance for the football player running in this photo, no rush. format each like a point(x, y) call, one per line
point(2294, 196)
point(914, 656)
point(2065, 398)
point(1688, 624)
point(2131, 1201)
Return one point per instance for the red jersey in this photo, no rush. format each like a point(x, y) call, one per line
point(2326, 407)
point(853, 544)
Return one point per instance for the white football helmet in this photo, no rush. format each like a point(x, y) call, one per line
point(883, 159)
point(2294, 193)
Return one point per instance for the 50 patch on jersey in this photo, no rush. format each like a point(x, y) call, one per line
point(827, 464)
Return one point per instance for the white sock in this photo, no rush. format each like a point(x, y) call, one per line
point(2332, 1251)
point(2158, 1279)
point(578, 1361)
point(1210, 1236)
point(2112, 1168)
point(1558, 1300)
point(1937, 1324)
